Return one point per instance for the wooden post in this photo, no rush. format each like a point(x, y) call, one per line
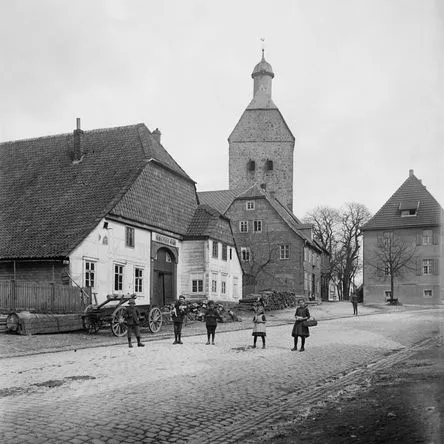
point(13, 295)
point(52, 296)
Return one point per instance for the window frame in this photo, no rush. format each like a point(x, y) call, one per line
point(130, 236)
point(427, 267)
point(245, 254)
point(257, 226)
point(88, 272)
point(427, 290)
point(197, 285)
point(224, 252)
point(284, 252)
point(215, 250)
point(243, 224)
point(118, 276)
point(427, 238)
point(138, 280)
point(250, 205)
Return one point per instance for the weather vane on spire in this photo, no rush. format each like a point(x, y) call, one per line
point(263, 47)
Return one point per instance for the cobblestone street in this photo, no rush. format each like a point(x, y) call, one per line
point(191, 392)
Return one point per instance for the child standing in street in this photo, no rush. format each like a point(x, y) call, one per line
point(302, 314)
point(259, 323)
point(132, 317)
point(177, 314)
point(211, 317)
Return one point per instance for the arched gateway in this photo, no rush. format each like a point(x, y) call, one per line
point(164, 277)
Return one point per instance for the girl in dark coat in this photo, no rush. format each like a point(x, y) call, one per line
point(302, 314)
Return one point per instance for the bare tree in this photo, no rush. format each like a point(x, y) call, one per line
point(256, 258)
point(339, 233)
point(353, 216)
point(392, 257)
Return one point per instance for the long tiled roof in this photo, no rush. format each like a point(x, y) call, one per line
point(411, 194)
point(219, 200)
point(49, 203)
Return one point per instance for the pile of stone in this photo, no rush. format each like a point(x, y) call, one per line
point(273, 300)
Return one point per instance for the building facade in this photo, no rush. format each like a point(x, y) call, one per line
point(403, 248)
point(108, 210)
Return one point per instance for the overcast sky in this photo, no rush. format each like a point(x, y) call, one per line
point(359, 83)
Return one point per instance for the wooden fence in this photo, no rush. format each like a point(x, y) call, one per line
point(41, 297)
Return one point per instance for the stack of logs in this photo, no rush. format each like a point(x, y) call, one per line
point(273, 300)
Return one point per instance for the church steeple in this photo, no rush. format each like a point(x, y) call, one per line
point(262, 76)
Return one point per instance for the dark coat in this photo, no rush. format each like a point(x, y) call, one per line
point(211, 317)
point(132, 315)
point(298, 328)
point(179, 312)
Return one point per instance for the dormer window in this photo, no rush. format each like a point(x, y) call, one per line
point(269, 165)
point(251, 165)
point(409, 208)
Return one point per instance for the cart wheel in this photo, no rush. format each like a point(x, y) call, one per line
point(90, 322)
point(155, 319)
point(118, 323)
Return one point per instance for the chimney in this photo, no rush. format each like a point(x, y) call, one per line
point(156, 134)
point(78, 148)
point(410, 173)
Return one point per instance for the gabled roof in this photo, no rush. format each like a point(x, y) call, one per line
point(411, 195)
point(209, 223)
point(261, 125)
point(49, 203)
point(256, 192)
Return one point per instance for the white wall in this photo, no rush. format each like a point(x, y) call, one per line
point(106, 255)
point(198, 263)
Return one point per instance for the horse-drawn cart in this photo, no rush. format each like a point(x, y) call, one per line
point(111, 313)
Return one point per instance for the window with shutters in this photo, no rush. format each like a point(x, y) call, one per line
point(427, 266)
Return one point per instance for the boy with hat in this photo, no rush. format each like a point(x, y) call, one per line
point(132, 317)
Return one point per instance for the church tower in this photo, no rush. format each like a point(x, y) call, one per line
point(261, 145)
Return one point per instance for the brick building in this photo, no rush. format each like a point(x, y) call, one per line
point(407, 230)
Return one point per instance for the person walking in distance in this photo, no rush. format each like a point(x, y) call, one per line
point(132, 317)
point(177, 314)
point(354, 301)
point(211, 317)
point(300, 330)
point(259, 323)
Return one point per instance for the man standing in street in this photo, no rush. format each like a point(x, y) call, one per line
point(354, 301)
point(132, 317)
